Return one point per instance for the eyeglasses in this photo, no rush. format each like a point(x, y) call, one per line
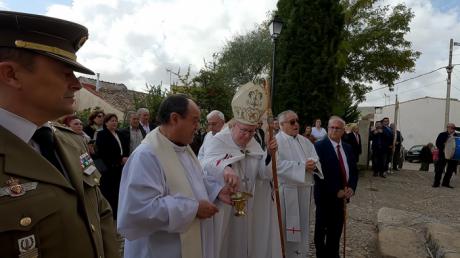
point(246, 131)
point(100, 115)
point(293, 121)
point(335, 128)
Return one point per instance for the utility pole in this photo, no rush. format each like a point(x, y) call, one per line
point(449, 80)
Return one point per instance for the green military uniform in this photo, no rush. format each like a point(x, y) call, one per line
point(64, 219)
point(43, 212)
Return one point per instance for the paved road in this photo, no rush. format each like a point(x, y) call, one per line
point(408, 190)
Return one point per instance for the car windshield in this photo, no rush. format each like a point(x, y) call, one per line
point(416, 148)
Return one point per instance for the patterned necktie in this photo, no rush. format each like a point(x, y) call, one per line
point(44, 138)
point(343, 172)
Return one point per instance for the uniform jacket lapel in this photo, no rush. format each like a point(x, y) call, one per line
point(23, 161)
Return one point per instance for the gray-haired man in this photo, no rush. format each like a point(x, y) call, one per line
point(216, 121)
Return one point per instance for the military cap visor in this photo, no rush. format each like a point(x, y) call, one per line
point(52, 37)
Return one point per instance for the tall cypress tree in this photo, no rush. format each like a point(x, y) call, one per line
point(307, 66)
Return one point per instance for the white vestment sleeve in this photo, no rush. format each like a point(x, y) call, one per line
point(145, 205)
point(213, 186)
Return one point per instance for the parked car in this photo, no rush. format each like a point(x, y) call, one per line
point(413, 154)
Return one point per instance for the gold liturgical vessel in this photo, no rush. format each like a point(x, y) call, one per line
point(239, 200)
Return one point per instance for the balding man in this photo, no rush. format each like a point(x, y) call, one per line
point(216, 121)
point(443, 160)
point(340, 180)
point(297, 161)
point(166, 201)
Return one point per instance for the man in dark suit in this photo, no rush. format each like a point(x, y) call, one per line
point(134, 133)
point(339, 185)
point(388, 137)
point(442, 161)
point(397, 152)
point(354, 139)
point(259, 136)
point(144, 120)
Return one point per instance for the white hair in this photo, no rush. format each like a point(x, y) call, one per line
point(217, 113)
point(336, 118)
point(130, 113)
point(142, 110)
point(282, 115)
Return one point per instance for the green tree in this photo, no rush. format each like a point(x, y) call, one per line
point(152, 100)
point(374, 48)
point(246, 57)
point(307, 74)
point(214, 94)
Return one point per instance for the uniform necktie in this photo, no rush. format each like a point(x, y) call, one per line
point(44, 138)
point(343, 172)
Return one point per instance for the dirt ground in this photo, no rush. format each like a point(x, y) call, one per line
point(409, 190)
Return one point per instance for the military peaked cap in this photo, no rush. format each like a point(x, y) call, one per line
point(55, 38)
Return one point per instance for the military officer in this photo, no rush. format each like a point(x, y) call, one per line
point(50, 203)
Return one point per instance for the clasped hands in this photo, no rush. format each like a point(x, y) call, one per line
point(346, 193)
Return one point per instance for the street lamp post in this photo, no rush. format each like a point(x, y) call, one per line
point(449, 80)
point(275, 29)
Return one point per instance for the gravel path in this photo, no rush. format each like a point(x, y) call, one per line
point(409, 190)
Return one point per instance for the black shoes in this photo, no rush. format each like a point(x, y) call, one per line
point(435, 185)
point(448, 186)
point(383, 176)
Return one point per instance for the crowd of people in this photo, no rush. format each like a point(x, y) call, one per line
point(83, 185)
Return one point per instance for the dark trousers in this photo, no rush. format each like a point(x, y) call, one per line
point(110, 187)
point(396, 157)
point(439, 170)
point(328, 229)
point(424, 166)
point(378, 162)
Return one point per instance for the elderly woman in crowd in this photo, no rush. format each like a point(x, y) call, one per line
point(95, 124)
point(76, 125)
point(113, 151)
point(318, 132)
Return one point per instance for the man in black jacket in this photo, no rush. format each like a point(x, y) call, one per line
point(134, 133)
point(339, 184)
point(442, 161)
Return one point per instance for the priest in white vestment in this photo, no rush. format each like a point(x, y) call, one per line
point(297, 161)
point(166, 202)
point(216, 121)
point(237, 159)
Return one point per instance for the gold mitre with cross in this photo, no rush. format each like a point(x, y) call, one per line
point(249, 103)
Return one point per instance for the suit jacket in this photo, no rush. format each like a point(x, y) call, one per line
point(108, 149)
point(126, 134)
point(260, 137)
point(441, 142)
point(355, 145)
point(151, 126)
point(325, 190)
point(65, 219)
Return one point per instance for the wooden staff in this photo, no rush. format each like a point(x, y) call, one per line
point(344, 225)
point(274, 169)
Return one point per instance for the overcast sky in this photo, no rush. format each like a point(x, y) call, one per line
point(135, 41)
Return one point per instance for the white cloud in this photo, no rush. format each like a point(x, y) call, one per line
point(3, 5)
point(431, 30)
point(135, 41)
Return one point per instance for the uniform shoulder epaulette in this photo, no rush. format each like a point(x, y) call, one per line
point(61, 127)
